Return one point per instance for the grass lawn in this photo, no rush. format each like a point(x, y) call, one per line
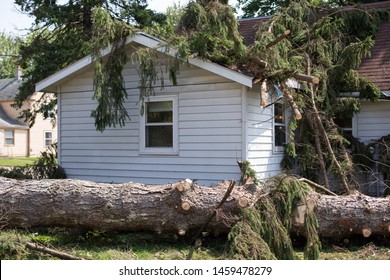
point(16, 161)
point(146, 246)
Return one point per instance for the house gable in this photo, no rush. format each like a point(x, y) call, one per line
point(50, 83)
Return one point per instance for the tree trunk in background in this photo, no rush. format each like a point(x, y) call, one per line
point(180, 208)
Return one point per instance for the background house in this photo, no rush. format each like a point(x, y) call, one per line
point(16, 137)
point(373, 121)
point(198, 129)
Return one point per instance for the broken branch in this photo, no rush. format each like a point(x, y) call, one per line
point(54, 253)
point(280, 38)
point(306, 78)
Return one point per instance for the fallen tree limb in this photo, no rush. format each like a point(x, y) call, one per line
point(317, 186)
point(157, 208)
point(54, 253)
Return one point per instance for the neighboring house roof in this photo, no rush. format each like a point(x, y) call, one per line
point(9, 88)
point(8, 123)
point(247, 27)
point(376, 67)
point(51, 82)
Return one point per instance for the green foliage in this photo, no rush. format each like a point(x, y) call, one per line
point(45, 167)
point(211, 32)
point(245, 239)
point(262, 232)
point(9, 54)
point(329, 44)
point(61, 35)
point(254, 8)
point(247, 172)
point(109, 85)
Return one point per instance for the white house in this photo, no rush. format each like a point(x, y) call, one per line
point(197, 129)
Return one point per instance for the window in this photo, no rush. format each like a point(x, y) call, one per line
point(9, 136)
point(159, 126)
point(279, 127)
point(345, 124)
point(48, 138)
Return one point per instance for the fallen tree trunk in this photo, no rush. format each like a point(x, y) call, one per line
point(180, 208)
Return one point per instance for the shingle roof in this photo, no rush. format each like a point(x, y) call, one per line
point(376, 67)
point(8, 122)
point(9, 88)
point(247, 27)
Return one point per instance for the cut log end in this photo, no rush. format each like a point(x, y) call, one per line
point(242, 202)
point(184, 185)
point(306, 78)
point(366, 232)
point(185, 206)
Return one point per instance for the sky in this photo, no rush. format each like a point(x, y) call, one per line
point(13, 21)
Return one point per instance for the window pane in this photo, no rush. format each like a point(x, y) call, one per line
point(9, 137)
point(280, 135)
point(278, 113)
point(48, 138)
point(159, 112)
point(9, 134)
point(343, 122)
point(159, 136)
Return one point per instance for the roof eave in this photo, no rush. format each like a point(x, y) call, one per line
point(49, 84)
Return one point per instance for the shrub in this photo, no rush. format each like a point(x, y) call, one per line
point(45, 167)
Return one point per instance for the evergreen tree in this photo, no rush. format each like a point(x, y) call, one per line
point(62, 32)
point(255, 8)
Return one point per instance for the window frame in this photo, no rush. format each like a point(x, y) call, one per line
point(279, 149)
point(45, 138)
point(5, 138)
point(143, 123)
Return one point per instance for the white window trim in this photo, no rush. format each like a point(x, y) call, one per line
point(175, 130)
point(44, 137)
point(278, 149)
point(5, 138)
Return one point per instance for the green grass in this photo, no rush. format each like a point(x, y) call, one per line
point(96, 245)
point(16, 161)
point(104, 246)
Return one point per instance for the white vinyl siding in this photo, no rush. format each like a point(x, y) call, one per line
point(260, 138)
point(373, 121)
point(209, 125)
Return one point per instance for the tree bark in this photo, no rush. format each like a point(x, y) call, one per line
point(343, 216)
point(164, 208)
point(121, 207)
